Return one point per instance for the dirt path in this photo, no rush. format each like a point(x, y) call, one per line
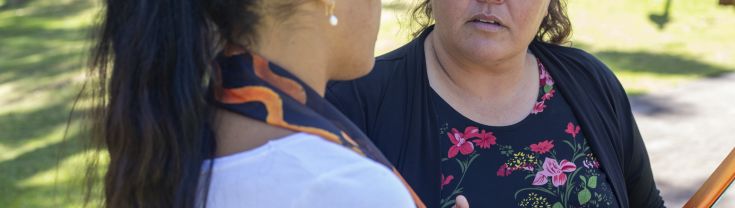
point(688, 131)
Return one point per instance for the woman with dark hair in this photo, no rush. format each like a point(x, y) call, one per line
point(219, 103)
point(485, 102)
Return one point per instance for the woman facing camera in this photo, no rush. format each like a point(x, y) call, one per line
point(488, 104)
point(219, 103)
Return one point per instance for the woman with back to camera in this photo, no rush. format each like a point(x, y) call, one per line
point(486, 102)
point(218, 103)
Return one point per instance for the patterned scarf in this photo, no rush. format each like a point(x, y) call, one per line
point(255, 88)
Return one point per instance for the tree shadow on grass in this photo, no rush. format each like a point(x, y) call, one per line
point(12, 4)
point(40, 41)
point(16, 128)
point(29, 164)
point(43, 65)
point(41, 125)
point(661, 20)
point(664, 64)
point(33, 45)
point(659, 63)
point(56, 9)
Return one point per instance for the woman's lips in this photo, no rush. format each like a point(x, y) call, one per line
point(485, 26)
point(486, 22)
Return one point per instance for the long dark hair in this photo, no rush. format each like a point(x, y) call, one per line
point(555, 27)
point(151, 70)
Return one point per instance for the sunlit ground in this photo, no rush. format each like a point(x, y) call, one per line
point(43, 47)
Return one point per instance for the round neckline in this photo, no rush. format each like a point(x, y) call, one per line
point(512, 127)
point(530, 116)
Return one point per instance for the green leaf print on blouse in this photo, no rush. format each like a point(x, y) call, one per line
point(556, 171)
point(555, 182)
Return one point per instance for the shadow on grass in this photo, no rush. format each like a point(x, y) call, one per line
point(41, 65)
point(44, 125)
point(57, 9)
point(661, 20)
point(41, 125)
point(17, 128)
point(663, 64)
point(33, 43)
point(12, 4)
point(659, 63)
point(39, 41)
point(27, 165)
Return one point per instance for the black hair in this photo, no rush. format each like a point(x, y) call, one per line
point(151, 63)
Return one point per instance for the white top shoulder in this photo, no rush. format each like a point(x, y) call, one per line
point(303, 170)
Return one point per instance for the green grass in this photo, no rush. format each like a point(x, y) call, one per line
point(697, 42)
point(43, 47)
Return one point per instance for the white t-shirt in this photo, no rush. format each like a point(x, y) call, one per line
point(303, 170)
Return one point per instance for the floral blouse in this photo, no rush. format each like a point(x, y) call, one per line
point(542, 161)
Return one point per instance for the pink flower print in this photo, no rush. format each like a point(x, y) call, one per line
point(485, 139)
point(557, 172)
point(460, 141)
point(538, 107)
point(504, 171)
point(447, 180)
point(572, 129)
point(549, 81)
point(545, 77)
point(542, 147)
point(528, 167)
point(549, 95)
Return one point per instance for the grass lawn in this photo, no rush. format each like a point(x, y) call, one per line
point(43, 47)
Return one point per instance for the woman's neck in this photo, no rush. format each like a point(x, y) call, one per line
point(489, 80)
point(302, 54)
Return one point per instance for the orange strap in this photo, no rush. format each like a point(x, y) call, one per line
point(715, 185)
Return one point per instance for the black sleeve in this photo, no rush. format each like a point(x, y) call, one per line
point(640, 185)
point(642, 191)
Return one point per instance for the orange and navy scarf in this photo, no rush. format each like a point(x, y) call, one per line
point(257, 89)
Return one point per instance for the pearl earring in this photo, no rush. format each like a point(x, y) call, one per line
point(330, 12)
point(333, 20)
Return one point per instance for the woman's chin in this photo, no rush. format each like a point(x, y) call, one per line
point(486, 52)
point(483, 44)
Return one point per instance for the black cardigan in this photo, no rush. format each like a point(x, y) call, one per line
point(391, 105)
